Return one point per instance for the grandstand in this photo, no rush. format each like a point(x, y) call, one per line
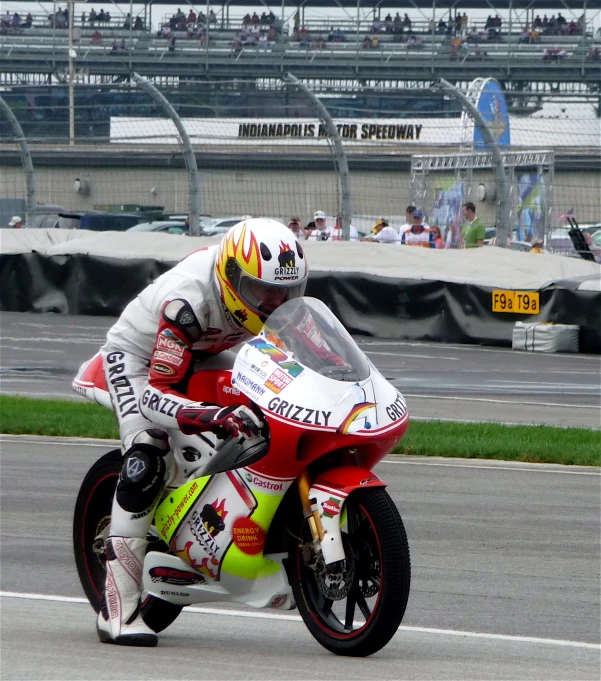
point(430, 46)
point(218, 75)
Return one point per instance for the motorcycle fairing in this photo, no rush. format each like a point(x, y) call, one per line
point(269, 592)
point(218, 524)
point(172, 511)
point(90, 382)
point(330, 489)
point(314, 402)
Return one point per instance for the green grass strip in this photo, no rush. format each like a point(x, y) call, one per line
point(537, 444)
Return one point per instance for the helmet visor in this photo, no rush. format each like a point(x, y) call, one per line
point(265, 298)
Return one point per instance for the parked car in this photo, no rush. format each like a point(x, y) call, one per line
point(219, 226)
point(98, 221)
point(47, 217)
point(161, 226)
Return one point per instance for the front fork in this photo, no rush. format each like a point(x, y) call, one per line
point(325, 531)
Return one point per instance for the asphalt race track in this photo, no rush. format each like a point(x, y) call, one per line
point(40, 353)
point(505, 556)
point(505, 582)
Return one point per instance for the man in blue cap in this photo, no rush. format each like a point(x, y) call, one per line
point(419, 234)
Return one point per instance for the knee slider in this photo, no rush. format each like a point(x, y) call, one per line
point(141, 478)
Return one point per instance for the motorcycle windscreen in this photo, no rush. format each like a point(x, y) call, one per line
point(307, 330)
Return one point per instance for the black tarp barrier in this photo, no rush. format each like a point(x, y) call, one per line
point(382, 307)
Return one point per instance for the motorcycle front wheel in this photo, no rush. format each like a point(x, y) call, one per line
point(91, 522)
point(355, 607)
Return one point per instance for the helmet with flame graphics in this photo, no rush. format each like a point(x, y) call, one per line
point(260, 265)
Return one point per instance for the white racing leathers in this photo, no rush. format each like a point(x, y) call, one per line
point(150, 352)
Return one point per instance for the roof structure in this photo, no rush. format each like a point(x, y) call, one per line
point(532, 5)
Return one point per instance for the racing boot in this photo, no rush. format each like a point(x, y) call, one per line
point(120, 620)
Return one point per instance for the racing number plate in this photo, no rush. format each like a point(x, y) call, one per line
point(518, 302)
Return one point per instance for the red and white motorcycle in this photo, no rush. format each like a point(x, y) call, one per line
point(307, 524)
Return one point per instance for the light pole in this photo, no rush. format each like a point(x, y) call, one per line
point(72, 55)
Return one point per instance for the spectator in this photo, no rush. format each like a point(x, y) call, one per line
point(246, 20)
point(537, 245)
point(383, 233)
point(138, 24)
point(455, 48)
point(473, 232)
point(28, 23)
point(409, 220)
point(101, 16)
point(83, 18)
point(318, 43)
point(437, 237)
point(16, 222)
point(212, 17)
point(191, 19)
point(122, 45)
point(312, 233)
point(127, 22)
point(93, 16)
point(407, 22)
point(367, 43)
point(419, 234)
point(319, 233)
point(294, 225)
point(114, 47)
point(172, 44)
point(414, 42)
point(96, 37)
point(335, 233)
point(255, 19)
point(554, 54)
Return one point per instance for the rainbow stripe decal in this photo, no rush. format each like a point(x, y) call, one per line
point(356, 411)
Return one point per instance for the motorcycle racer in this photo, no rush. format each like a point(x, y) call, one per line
point(212, 300)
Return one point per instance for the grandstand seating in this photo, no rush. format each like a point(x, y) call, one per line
point(44, 48)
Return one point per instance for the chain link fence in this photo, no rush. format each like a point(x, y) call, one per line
point(261, 148)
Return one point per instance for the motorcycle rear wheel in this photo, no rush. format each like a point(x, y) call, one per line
point(91, 520)
point(357, 610)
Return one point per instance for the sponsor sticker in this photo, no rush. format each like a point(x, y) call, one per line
point(257, 370)
point(248, 536)
point(295, 412)
point(331, 507)
point(175, 576)
point(278, 381)
point(275, 487)
point(168, 357)
point(168, 333)
point(170, 345)
point(250, 383)
point(163, 369)
point(397, 409)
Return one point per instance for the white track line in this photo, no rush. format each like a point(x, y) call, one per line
point(297, 618)
point(488, 399)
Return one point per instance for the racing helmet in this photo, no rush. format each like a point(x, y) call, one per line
point(260, 265)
